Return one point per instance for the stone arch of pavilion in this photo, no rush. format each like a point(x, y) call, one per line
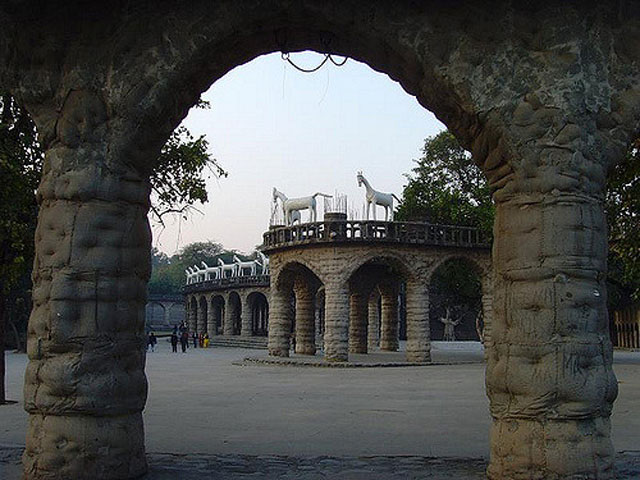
point(546, 95)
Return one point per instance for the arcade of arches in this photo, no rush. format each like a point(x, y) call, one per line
point(545, 94)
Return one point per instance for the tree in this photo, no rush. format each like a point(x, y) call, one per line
point(446, 187)
point(177, 182)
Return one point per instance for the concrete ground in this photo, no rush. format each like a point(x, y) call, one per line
point(203, 405)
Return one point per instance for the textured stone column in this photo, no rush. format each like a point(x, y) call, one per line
point(85, 386)
point(373, 320)
point(280, 318)
point(389, 320)
point(203, 313)
point(192, 316)
point(418, 336)
point(336, 323)
point(246, 325)
point(305, 319)
point(230, 313)
point(549, 376)
point(487, 313)
point(211, 318)
point(358, 323)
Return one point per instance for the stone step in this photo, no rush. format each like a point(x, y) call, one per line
point(238, 342)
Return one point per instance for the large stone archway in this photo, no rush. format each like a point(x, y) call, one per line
point(546, 95)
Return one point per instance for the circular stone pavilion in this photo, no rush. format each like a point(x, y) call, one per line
point(336, 282)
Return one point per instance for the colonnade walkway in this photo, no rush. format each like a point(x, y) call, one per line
point(205, 412)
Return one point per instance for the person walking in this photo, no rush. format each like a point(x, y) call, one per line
point(151, 342)
point(194, 337)
point(174, 342)
point(184, 341)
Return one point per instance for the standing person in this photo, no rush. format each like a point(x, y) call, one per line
point(205, 341)
point(194, 337)
point(152, 341)
point(174, 341)
point(184, 341)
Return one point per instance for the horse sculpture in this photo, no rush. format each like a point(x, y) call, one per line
point(264, 260)
point(211, 273)
point(377, 198)
point(241, 266)
point(232, 268)
point(291, 205)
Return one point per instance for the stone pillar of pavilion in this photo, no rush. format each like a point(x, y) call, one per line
point(304, 317)
point(211, 319)
point(246, 310)
point(192, 315)
point(358, 307)
point(418, 337)
point(389, 318)
point(336, 322)
point(280, 318)
point(373, 321)
point(230, 313)
point(203, 314)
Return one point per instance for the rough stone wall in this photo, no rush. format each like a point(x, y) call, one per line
point(304, 318)
point(545, 94)
point(373, 318)
point(389, 319)
point(358, 310)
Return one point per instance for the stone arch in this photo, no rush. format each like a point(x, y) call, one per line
point(545, 105)
point(395, 260)
point(258, 306)
point(150, 311)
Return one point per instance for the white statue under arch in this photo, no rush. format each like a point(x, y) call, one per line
point(291, 207)
point(373, 197)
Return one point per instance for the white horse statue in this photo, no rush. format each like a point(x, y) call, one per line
point(241, 266)
point(227, 267)
point(291, 205)
point(211, 273)
point(264, 260)
point(375, 198)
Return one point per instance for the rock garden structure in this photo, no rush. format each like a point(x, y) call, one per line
point(351, 272)
point(546, 95)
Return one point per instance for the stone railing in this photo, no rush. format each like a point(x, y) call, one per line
point(347, 231)
point(231, 282)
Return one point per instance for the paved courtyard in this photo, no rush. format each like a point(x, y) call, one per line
point(264, 421)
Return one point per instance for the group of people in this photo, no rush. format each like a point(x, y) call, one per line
point(180, 334)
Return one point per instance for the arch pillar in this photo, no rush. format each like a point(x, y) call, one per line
point(336, 322)
point(418, 336)
point(246, 324)
point(211, 317)
point(280, 318)
point(192, 316)
point(230, 313)
point(487, 312)
point(203, 314)
point(389, 318)
point(373, 321)
point(305, 318)
point(550, 380)
point(358, 309)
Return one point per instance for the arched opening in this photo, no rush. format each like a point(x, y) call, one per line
point(218, 315)
point(293, 310)
point(259, 308)
point(233, 318)
point(137, 94)
point(455, 301)
point(192, 317)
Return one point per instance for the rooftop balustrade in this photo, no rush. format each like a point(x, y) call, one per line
point(222, 283)
point(354, 231)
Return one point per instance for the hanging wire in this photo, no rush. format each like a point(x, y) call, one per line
point(281, 41)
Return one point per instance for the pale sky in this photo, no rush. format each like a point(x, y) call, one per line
point(270, 125)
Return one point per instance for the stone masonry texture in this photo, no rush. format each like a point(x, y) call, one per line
point(546, 95)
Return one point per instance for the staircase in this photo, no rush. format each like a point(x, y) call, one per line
point(236, 341)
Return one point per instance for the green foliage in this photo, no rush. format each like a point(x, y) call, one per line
point(446, 187)
point(177, 181)
point(622, 205)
